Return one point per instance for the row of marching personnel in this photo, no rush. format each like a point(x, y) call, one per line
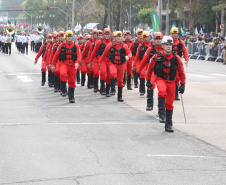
point(105, 60)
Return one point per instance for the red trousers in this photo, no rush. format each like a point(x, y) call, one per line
point(143, 71)
point(129, 67)
point(68, 73)
point(43, 66)
point(57, 71)
point(96, 70)
point(166, 89)
point(117, 71)
point(105, 72)
point(84, 66)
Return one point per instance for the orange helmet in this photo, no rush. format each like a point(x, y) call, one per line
point(49, 36)
point(107, 30)
point(158, 35)
point(99, 32)
point(88, 37)
point(80, 37)
point(127, 32)
point(140, 31)
point(94, 31)
point(61, 33)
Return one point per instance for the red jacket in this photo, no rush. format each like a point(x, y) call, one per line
point(55, 45)
point(146, 57)
point(180, 67)
point(68, 61)
point(132, 46)
point(92, 46)
point(48, 52)
point(105, 56)
point(93, 56)
point(86, 50)
point(184, 49)
point(137, 58)
point(40, 52)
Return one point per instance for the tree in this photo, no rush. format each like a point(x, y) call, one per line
point(144, 15)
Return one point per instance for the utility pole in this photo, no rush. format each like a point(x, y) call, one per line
point(167, 17)
point(73, 15)
point(222, 22)
point(121, 16)
point(160, 14)
point(110, 23)
point(67, 13)
point(130, 17)
point(216, 23)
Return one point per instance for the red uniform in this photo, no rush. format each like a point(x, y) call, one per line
point(67, 67)
point(42, 51)
point(129, 62)
point(55, 47)
point(95, 57)
point(166, 76)
point(117, 65)
point(92, 67)
point(139, 56)
point(133, 48)
point(84, 56)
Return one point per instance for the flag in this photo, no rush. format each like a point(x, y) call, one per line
point(196, 31)
point(174, 24)
point(182, 31)
point(134, 30)
point(155, 21)
point(201, 32)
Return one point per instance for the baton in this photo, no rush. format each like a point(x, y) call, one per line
point(183, 108)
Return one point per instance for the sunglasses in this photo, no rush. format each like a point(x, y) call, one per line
point(107, 32)
point(94, 32)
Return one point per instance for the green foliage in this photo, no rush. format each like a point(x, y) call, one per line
point(144, 16)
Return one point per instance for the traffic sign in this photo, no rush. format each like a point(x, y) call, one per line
point(221, 26)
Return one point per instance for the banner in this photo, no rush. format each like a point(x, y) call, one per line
point(182, 31)
point(155, 21)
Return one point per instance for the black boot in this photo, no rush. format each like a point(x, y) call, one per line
point(78, 77)
point(83, 79)
point(124, 80)
point(71, 92)
point(89, 83)
point(169, 122)
point(95, 80)
point(43, 78)
point(108, 90)
point(102, 87)
point(50, 79)
point(120, 94)
point(135, 79)
point(116, 81)
point(61, 87)
point(142, 87)
point(56, 83)
point(113, 87)
point(162, 110)
point(91, 80)
point(64, 89)
point(129, 86)
point(150, 102)
point(176, 93)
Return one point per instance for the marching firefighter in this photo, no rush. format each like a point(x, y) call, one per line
point(42, 52)
point(139, 56)
point(165, 66)
point(69, 55)
point(180, 49)
point(102, 67)
point(93, 62)
point(81, 46)
point(47, 62)
point(118, 54)
point(134, 46)
point(83, 63)
point(151, 51)
point(128, 42)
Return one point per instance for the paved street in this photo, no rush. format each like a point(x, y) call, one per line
point(98, 141)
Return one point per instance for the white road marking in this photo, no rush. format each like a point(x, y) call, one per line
point(24, 79)
point(201, 76)
point(218, 74)
point(181, 156)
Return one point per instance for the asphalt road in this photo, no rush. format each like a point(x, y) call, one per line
point(98, 141)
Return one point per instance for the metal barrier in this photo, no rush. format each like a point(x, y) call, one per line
point(202, 51)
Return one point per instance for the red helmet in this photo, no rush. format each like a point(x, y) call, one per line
point(107, 30)
point(158, 35)
point(94, 31)
point(49, 36)
point(80, 37)
point(99, 32)
point(127, 32)
point(54, 34)
point(61, 33)
point(140, 31)
point(88, 37)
